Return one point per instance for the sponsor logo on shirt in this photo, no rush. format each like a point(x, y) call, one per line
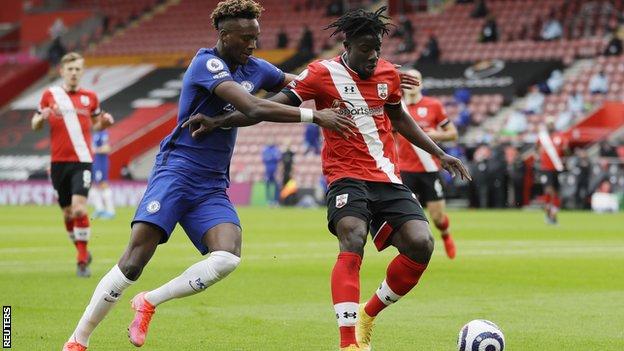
point(346, 108)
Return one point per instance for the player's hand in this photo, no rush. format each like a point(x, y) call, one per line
point(106, 120)
point(408, 81)
point(329, 118)
point(45, 113)
point(200, 125)
point(454, 166)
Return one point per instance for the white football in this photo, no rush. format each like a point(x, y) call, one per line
point(480, 335)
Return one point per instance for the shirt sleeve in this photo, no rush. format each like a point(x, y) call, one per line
point(395, 90)
point(45, 100)
point(273, 76)
point(441, 116)
point(95, 109)
point(306, 85)
point(208, 71)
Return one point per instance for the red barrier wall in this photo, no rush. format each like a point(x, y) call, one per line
point(19, 78)
point(138, 133)
point(11, 11)
point(598, 125)
point(35, 27)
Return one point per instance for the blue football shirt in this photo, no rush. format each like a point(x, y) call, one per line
point(209, 157)
point(100, 138)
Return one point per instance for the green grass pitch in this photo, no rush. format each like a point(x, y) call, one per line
point(548, 288)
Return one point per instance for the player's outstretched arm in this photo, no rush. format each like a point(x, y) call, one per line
point(102, 121)
point(446, 133)
point(39, 117)
point(405, 125)
point(279, 108)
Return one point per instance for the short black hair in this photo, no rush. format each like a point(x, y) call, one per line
point(227, 9)
point(359, 22)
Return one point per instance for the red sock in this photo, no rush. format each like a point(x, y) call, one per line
point(444, 225)
point(69, 226)
point(345, 288)
point(401, 276)
point(556, 201)
point(81, 234)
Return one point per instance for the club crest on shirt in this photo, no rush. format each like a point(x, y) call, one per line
point(341, 200)
point(422, 112)
point(382, 90)
point(247, 85)
point(153, 206)
point(84, 100)
point(214, 65)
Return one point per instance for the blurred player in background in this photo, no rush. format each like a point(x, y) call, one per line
point(190, 177)
point(365, 185)
point(71, 112)
point(551, 147)
point(101, 194)
point(419, 170)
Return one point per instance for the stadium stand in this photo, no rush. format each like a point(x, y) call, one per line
point(457, 33)
point(178, 29)
point(167, 33)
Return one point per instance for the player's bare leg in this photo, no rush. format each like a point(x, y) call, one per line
point(345, 279)
point(143, 242)
point(224, 241)
point(415, 245)
point(82, 234)
point(441, 221)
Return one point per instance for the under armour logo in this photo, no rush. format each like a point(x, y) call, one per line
point(349, 89)
point(389, 299)
point(114, 294)
point(349, 315)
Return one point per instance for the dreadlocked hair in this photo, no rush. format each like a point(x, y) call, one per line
point(227, 9)
point(359, 22)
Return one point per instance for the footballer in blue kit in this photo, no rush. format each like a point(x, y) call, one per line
point(190, 176)
point(101, 193)
point(100, 159)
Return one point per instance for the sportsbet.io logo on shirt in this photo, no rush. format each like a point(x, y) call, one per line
point(346, 108)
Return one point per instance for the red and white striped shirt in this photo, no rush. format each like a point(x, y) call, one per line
point(551, 149)
point(70, 123)
point(429, 114)
point(370, 155)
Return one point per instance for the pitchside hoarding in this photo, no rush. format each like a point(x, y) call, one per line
point(125, 193)
point(486, 77)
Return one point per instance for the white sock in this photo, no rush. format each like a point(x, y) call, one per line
point(104, 298)
point(196, 278)
point(107, 195)
point(96, 195)
point(346, 313)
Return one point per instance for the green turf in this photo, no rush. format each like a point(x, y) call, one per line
point(549, 288)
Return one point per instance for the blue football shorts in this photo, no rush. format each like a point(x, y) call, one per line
point(100, 170)
point(197, 204)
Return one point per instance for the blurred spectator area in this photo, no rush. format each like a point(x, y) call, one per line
point(585, 24)
point(247, 160)
point(185, 26)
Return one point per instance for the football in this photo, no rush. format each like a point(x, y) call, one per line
point(480, 335)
